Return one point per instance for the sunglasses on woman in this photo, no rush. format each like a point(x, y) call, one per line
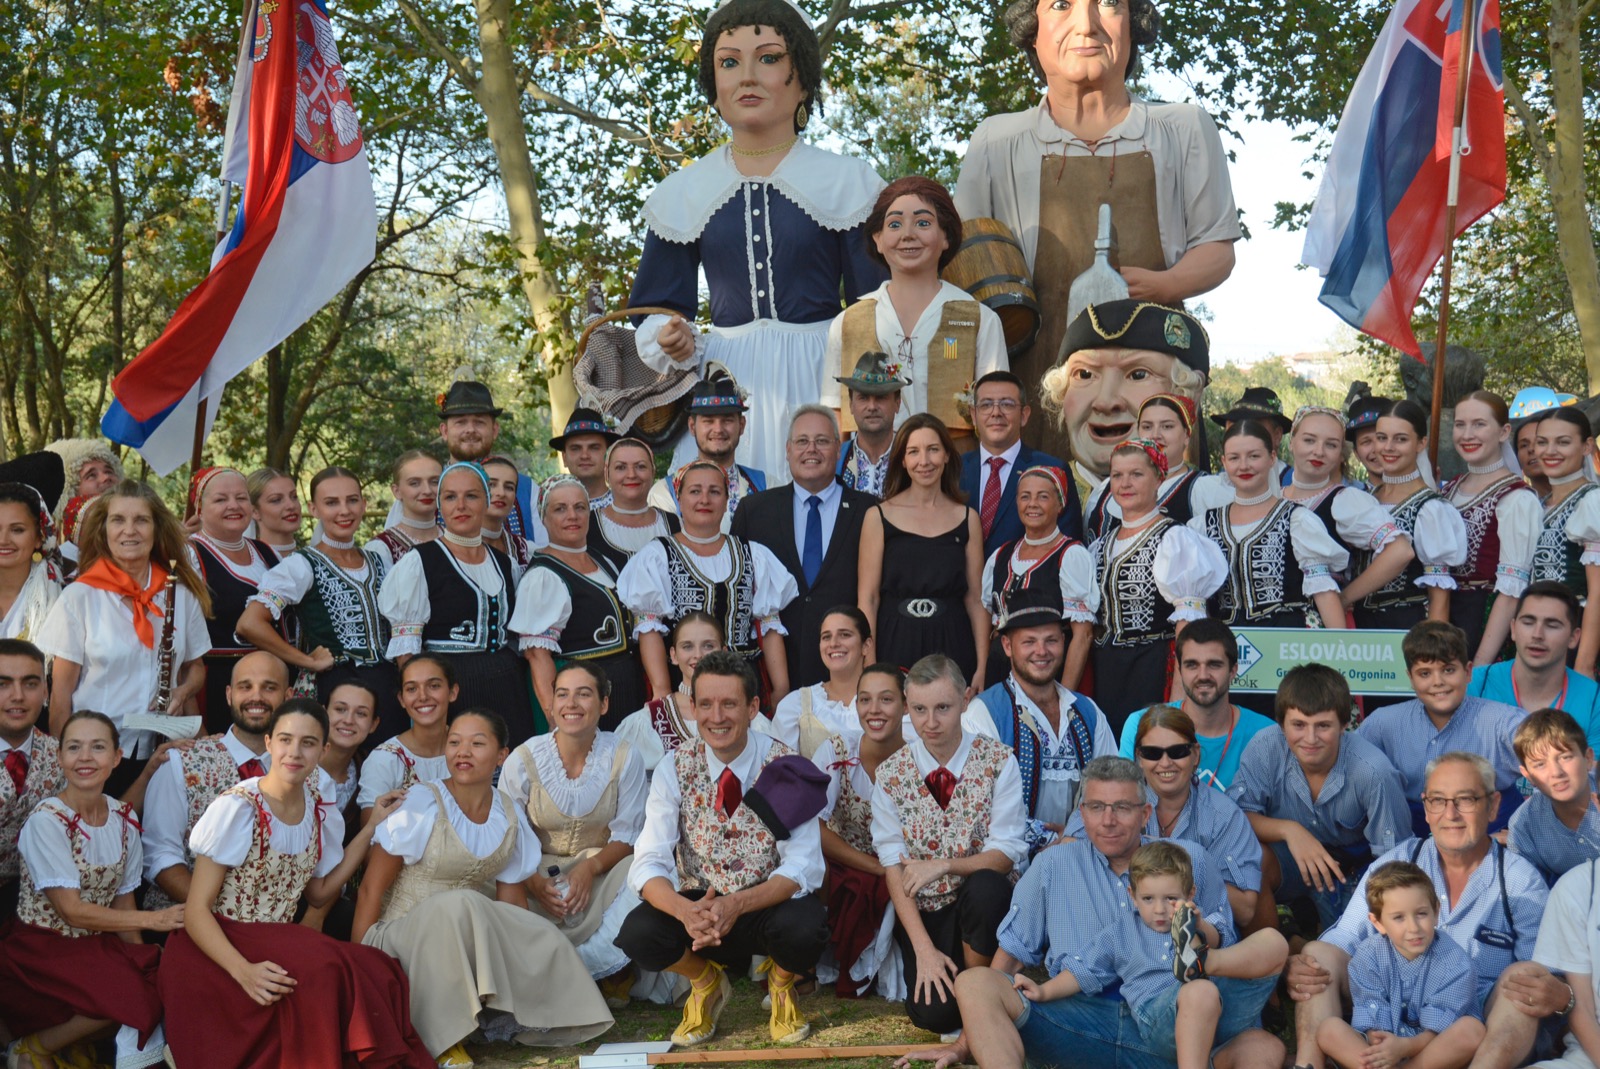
point(1177, 752)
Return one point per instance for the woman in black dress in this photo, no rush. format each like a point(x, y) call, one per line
point(921, 559)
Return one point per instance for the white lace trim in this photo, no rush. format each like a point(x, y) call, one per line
point(574, 797)
point(836, 191)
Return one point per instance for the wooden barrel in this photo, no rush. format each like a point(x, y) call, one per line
point(990, 266)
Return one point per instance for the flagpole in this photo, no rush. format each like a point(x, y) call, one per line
point(224, 200)
point(1463, 79)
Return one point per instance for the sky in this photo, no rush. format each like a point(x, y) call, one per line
point(1269, 305)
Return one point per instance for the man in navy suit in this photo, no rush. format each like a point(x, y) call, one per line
point(813, 526)
point(989, 473)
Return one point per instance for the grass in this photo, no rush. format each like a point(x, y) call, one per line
point(836, 1022)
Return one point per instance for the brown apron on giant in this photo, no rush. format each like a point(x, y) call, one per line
point(1071, 190)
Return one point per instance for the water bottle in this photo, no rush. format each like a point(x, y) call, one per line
point(563, 888)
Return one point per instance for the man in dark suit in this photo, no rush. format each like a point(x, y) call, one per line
point(812, 525)
point(989, 473)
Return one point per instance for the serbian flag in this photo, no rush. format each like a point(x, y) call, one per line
point(1378, 227)
point(306, 224)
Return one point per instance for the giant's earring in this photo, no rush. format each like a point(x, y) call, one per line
point(802, 115)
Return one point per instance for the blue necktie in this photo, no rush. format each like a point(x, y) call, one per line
point(811, 550)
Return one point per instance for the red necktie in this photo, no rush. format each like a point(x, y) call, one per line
point(252, 769)
point(729, 793)
point(990, 508)
point(941, 784)
point(17, 765)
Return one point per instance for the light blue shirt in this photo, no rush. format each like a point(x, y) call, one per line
point(1360, 799)
point(827, 511)
point(1069, 895)
point(1131, 952)
point(1494, 927)
point(1538, 834)
point(1216, 822)
point(1427, 994)
point(1409, 740)
point(1582, 697)
point(1219, 754)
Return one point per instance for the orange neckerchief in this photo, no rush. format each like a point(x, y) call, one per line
point(103, 575)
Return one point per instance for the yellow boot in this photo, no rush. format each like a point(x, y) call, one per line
point(789, 1025)
point(708, 997)
point(456, 1058)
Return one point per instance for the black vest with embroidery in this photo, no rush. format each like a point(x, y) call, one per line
point(1483, 531)
point(598, 626)
point(341, 611)
point(229, 593)
point(1132, 611)
point(1046, 571)
point(461, 617)
point(1403, 588)
point(730, 601)
point(1178, 501)
point(1556, 556)
point(1324, 511)
point(1265, 583)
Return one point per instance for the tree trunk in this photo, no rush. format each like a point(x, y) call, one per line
point(1568, 189)
point(499, 96)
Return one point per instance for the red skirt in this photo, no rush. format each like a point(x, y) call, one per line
point(349, 1006)
point(46, 979)
point(856, 901)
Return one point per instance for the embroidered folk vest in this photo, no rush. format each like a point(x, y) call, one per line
point(959, 830)
point(726, 853)
point(1556, 556)
point(265, 888)
point(730, 602)
point(1483, 532)
point(1132, 612)
point(341, 611)
point(598, 626)
point(44, 779)
point(462, 617)
point(561, 834)
point(229, 589)
point(97, 884)
point(1264, 578)
point(852, 814)
point(1402, 589)
point(208, 772)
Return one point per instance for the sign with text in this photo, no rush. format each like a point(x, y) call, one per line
point(1370, 660)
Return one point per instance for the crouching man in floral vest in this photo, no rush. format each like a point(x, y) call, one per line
point(948, 822)
point(730, 859)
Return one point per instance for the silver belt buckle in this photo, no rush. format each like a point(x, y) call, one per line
point(921, 608)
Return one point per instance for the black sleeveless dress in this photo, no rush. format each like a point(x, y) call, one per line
point(922, 606)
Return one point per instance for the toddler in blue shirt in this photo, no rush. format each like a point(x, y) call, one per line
point(1411, 990)
point(1189, 994)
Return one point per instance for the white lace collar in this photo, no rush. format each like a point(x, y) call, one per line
point(574, 797)
point(836, 191)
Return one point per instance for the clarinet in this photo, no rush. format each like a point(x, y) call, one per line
point(165, 666)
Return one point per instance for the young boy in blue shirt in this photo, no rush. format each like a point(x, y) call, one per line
point(1558, 827)
point(1164, 961)
point(1410, 990)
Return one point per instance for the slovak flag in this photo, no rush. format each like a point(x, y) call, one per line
point(1378, 227)
point(306, 225)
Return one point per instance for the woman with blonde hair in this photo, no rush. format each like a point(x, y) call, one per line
point(275, 506)
point(109, 632)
